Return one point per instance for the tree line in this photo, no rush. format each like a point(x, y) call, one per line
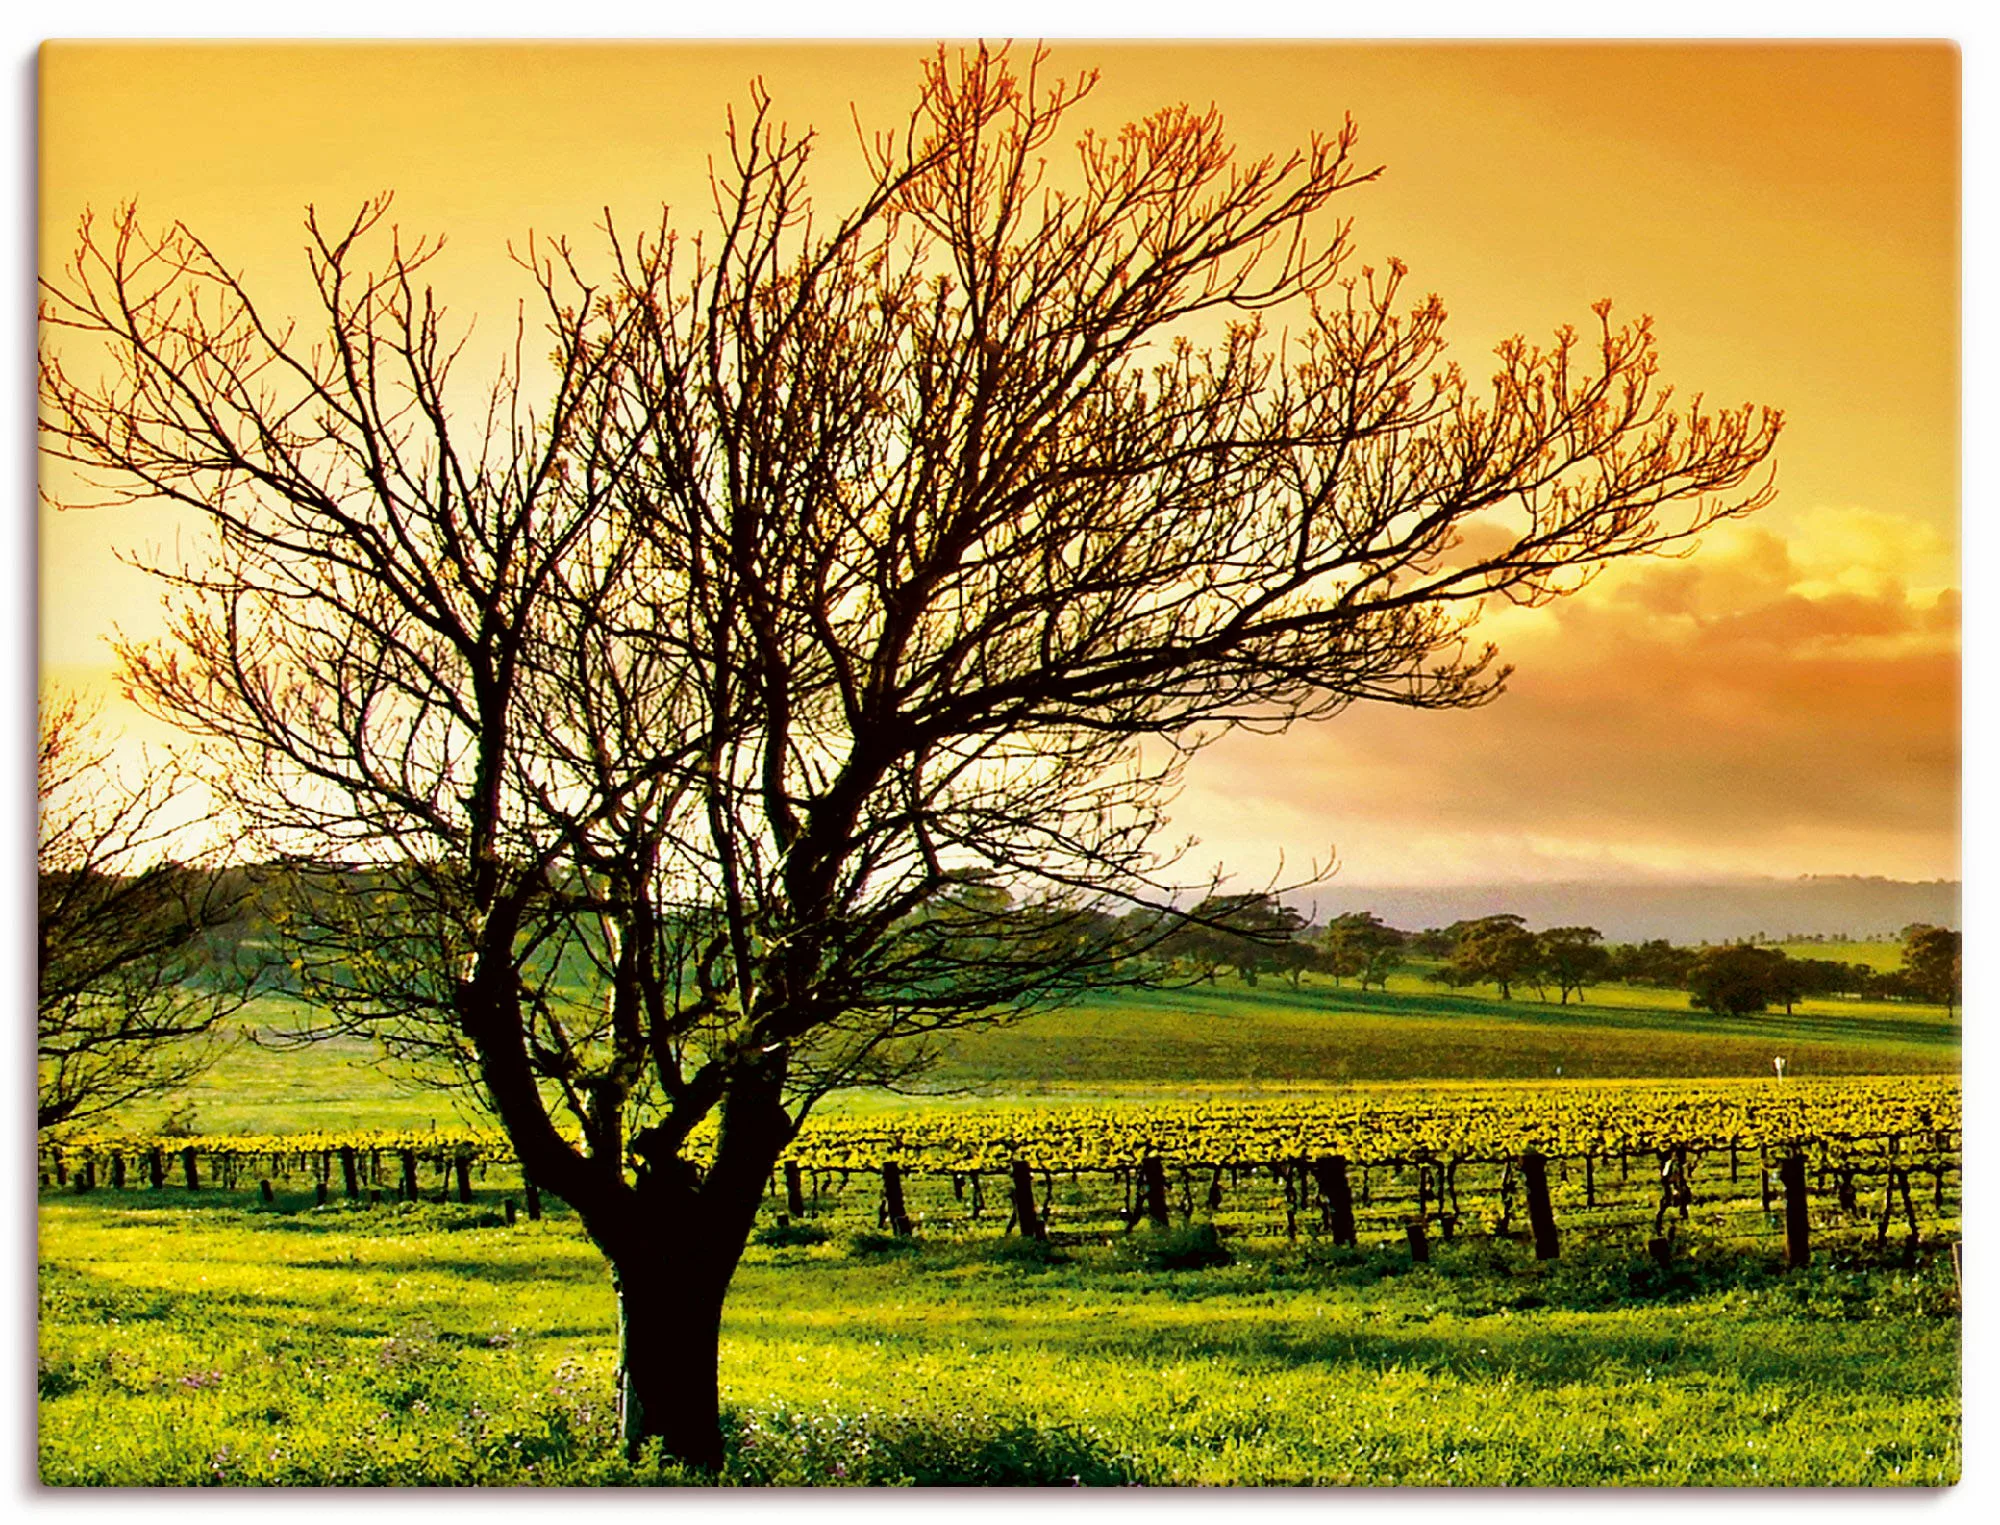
point(1257, 936)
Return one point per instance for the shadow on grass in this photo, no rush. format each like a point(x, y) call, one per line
point(72, 1296)
point(298, 1213)
point(1477, 1314)
point(1545, 1357)
point(871, 1447)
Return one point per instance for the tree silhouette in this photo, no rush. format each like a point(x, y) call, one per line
point(1737, 979)
point(132, 987)
point(843, 573)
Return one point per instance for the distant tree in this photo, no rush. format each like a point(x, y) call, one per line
point(1893, 985)
point(1825, 976)
point(1735, 980)
point(134, 979)
point(1338, 956)
point(1268, 942)
point(1194, 947)
point(1432, 942)
point(1654, 962)
point(1296, 959)
point(1254, 934)
point(1932, 961)
point(1790, 981)
point(1361, 945)
point(1573, 957)
point(1494, 950)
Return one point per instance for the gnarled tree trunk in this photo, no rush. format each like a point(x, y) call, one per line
point(669, 1350)
point(674, 1240)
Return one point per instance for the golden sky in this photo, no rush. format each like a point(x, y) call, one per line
point(1784, 702)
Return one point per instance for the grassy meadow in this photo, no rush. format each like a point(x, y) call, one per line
point(1321, 1032)
point(1227, 1037)
point(209, 1338)
point(190, 1343)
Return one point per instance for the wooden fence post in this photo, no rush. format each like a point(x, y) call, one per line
point(188, 1172)
point(1910, 1213)
point(350, 1175)
point(1336, 1196)
point(795, 1190)
point(118, 1171)
point(1153, 1179)
point(534, 1196)
point(1792, 1176)
point(1420, 1244)
point(410, 1191)
point(1541, 1214)
point(156, 1167)
point(462, 1169)
point(264, 1191)
point(893, 1211)
point(1026, 1214)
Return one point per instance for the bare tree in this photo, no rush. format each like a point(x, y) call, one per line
point(134, 977)
point(803, 673)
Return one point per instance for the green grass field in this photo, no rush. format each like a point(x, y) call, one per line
point(190, 1339)
point(1414, 1031)
point(1878, 955)
point(1225, 1038)
point(188, 1343)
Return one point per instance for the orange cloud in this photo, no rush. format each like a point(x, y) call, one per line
point(1692, 716)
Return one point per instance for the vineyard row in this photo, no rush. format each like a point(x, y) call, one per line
point(1727, 1190)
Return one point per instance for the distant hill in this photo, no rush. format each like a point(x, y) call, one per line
point(1725, 911)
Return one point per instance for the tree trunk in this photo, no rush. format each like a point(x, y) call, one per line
point(669, 1349)
point(674, 1241)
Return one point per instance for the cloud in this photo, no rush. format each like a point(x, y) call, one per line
point(1768, 706)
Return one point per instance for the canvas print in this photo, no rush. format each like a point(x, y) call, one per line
point(983, 764)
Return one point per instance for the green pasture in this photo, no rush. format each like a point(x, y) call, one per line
point(340, 1084)
point(1876, 955)
point(1229, 1033)
point(196, 1342)
point(209, 1339)
point(1226, 1037)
